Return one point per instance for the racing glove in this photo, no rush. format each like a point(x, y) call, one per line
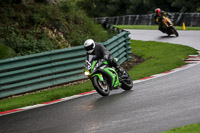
point(105, 57)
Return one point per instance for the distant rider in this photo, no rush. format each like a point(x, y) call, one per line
point(159, 17)
point(100, 52)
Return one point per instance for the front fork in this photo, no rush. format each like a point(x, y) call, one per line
point(99, 75)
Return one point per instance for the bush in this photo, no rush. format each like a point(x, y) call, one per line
point(66, 6)
point(6, 52)
point(29, 45)
point(37, 27)
point(84, 28)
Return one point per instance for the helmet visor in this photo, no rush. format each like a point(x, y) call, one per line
point(88, 48)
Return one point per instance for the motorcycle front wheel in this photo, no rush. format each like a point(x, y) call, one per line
point(174, 31)
point(102, 88)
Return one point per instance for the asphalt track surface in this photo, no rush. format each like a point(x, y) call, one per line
point(189, 38)
point(152, 106)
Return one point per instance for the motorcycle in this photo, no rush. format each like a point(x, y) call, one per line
point(105, 78)
point(168, 26)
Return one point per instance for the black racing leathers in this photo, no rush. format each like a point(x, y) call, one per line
point(101, 52)
point(159, 18)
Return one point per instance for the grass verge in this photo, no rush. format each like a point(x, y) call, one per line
point(193, 128)
point(152, 27)
point(159, 57)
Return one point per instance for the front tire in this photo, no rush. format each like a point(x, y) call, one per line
point(102, 88)
point(175, 31)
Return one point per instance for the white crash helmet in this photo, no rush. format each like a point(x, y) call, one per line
point(89, 45)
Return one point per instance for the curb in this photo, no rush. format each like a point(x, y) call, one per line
point(46, 103)
point(192, 59)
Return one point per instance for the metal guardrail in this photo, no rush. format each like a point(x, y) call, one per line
point(190, 19)
point(37, 71)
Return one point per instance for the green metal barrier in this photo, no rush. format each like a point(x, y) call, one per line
point(37, 71)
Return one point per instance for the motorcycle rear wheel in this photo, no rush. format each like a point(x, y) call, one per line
point(127, 82)
point(102, 88)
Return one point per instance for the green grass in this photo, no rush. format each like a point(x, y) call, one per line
point(44, 96)
point(193, 128)
point(159, 57)
point(152, 27)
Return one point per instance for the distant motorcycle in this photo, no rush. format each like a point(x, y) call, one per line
point(106, 78)
point(168, 26)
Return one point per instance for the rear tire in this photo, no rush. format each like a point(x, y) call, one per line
point(102, 88)
point(127, 82)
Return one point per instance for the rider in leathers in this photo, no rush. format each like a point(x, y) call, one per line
point(100, 52)
point(159, 17)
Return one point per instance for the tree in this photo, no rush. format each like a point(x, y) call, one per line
point(103, 8)
point(187, 5)
point(100, 8)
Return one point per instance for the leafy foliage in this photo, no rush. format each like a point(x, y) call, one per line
point(33, 26)
point(6, 52)
point(187, 5)
point(102, 8)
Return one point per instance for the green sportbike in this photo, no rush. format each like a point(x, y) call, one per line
point(106, 78)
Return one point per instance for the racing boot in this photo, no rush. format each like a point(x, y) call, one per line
point(119, 70)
